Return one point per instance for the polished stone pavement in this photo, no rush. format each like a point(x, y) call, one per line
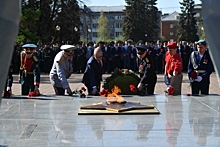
point(53, 121)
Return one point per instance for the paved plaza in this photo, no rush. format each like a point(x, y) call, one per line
point(53, 121)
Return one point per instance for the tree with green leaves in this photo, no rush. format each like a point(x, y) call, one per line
point(103, 29)
point(186, 28)
point(28, 27)
point(40, 18)
point(68, 19)
point(141, 20)
point(201, 32)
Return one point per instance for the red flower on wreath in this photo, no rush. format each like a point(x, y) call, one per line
point(133, 88)
point(119, 71)
point(193, 75)
point(104, 92)
point(126, 70)
point(170, 90)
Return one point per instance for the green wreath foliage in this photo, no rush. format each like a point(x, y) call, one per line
point(122, 78)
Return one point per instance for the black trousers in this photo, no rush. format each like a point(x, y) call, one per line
point(27, 85)
point(59, 90)
point(86, 82)
point(196, 88)
point(151, 85)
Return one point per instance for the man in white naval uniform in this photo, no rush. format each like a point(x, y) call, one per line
point(62, 70)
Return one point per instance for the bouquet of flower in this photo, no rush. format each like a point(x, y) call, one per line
point(104, 92)
point(170, 90)
point(193, 75)
point(80, 92)
point(7, 94)
point(34, 93)
point(122, 78)
point(133, 88)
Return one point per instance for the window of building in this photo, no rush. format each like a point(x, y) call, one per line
point(171, 33)
point(171, 25)
point(112, 26)
point(112, 35)
point(94, 34)
point(197, 15)
point(118, 25)
point(118, 34)
point(95, 25)
point(118, 17)
point(111, 17)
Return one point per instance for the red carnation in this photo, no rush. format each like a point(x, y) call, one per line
point(193, 75)
point(126, 70)
point(170, 90)
point(119, 71)
point(104, 92)
point(132, 88)
point(34, 93)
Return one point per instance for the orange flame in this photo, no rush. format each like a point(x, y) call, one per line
point(113, 96)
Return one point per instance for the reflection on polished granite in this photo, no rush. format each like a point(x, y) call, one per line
point(183, 122)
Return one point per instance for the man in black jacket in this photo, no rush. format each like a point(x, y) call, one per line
point(93, 74)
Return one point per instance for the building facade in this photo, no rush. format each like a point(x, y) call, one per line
point(89, 17)
point(169, 26)
point(170, 21)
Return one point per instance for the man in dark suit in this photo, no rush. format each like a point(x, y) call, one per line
point(185, 53)
point(93, 74)
point(106, 50)
point(200, 63)
point(116, 54)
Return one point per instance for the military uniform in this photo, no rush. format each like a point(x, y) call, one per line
point(61, 71)
point(47, 58)
point(30, 71)
point(147, 70)
point(203, 66)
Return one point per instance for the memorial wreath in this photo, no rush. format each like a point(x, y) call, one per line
point(125, 79)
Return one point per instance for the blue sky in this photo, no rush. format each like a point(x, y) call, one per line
point(167, 6)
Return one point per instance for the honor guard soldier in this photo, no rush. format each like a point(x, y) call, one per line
point(62, 70)
point(30, 77)
point(146, 70)
point(47, 57)
point(173, 69)
point(200, 63)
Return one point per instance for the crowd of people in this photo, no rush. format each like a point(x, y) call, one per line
point(145, 58)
